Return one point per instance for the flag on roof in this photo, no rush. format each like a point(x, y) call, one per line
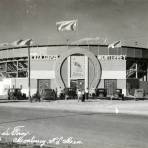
point(67, 25)
point(16, 43)
point(21, 42)
point(26, 42)
point(116, 44)
point(4, 44)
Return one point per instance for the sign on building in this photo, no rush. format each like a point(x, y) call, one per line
point(44, 57)
point(112, 57)
point(77, 67)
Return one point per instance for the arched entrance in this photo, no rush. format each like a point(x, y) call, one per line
point(97, 67)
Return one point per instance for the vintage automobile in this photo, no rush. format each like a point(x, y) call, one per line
point(61, 96)
point(118, 95)
point(16, 94)
point(139, 94)
point(36, 97)
point(48, 94)
point(101, 93)
point(70, 93)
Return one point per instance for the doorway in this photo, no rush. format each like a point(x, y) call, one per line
point(110, 85)
point(43, 84)
point(78, 84)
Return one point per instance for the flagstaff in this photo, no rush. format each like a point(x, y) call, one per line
point(29, 95)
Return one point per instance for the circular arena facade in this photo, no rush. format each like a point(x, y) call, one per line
point(86, 67)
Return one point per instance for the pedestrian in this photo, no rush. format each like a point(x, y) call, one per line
point(93, 93)
point(79, 94)
point(59, 93)
point(83, 96)
point(38, 97)
point(56, 93)
point(86, 93)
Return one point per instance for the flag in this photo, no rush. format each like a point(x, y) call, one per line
point(116, 44)
point(67, 25)
point(26, 42)
point(16, 43)
point(21, 42)
point(4, 44)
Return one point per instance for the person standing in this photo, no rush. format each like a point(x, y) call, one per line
point(56, 93)
point(86, 93)
point(83, 96)
point(79, 94)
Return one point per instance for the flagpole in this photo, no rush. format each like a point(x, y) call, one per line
point(67, 42)
point(29, 95)
point(108, 50)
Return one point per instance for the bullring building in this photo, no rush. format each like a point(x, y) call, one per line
point(81, 66)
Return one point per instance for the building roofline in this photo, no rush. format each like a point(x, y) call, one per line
point(71, 45)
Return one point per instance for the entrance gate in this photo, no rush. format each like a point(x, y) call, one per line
point(97, 66)
point(79, 84)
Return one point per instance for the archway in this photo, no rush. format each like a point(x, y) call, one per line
point(85, 52)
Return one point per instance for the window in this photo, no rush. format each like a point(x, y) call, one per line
point(12, 66)
point(17, 67)
point(22, 73)
point(2, 67)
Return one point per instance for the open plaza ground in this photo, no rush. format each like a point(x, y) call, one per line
point(96, 123)
point(96, 106)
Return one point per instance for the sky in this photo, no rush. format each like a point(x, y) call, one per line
point(106, 20)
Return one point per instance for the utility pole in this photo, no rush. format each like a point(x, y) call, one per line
point(28, 43)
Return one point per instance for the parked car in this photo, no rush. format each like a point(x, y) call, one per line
point(139, 94)
point(118, 95)
point(36, 97)
point(16, 94)
point(48, 94)
point(101, 93)
point(70, 93)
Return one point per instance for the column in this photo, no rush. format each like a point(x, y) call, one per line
point(136, 69)
point(69, 71)
point(86, 72)
point(147, 73)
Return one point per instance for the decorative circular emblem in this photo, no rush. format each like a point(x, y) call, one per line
point(85, 52)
